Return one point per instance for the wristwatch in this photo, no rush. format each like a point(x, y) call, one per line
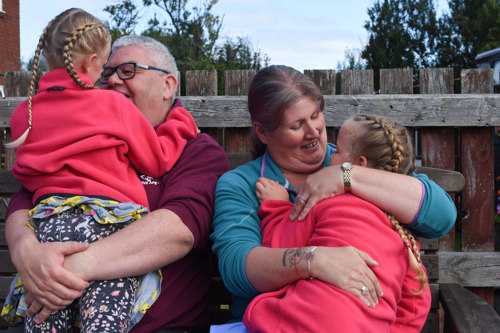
point(347, 176)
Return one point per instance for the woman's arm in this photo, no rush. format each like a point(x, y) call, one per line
point(344, 267)
point(397, 194)
point(249, 269)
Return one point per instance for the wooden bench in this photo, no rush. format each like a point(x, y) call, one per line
point(221, 300)
point(455, 132)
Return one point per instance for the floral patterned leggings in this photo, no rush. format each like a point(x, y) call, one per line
point(105, 306)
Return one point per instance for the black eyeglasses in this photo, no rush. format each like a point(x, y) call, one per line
point(124, 71)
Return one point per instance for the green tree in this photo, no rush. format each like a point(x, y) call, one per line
point(192, 36)
point(402, 34)
point(471, 27)
point(352, 61)
point(236, 54)
point(124, 19)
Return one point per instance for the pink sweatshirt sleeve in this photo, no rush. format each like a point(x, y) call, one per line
point(153, 153)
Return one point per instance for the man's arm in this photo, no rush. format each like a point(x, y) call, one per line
point(40, 266)
point(154, 241)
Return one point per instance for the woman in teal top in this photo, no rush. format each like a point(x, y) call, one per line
point(289, 143)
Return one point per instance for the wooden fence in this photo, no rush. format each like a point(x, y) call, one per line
point(455, 132)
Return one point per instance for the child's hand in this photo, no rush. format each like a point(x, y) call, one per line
point(267, 189)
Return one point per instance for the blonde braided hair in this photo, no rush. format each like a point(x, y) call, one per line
point(388, 146)
point(58, 42)
point(68, 52)
point(41, 42)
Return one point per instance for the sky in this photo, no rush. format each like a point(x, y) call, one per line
point(302, 34)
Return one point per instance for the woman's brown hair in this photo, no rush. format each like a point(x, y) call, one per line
point(273, 90)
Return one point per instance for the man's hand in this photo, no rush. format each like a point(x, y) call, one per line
point(47, 284)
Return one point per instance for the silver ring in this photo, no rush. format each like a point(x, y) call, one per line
point(363, 289)
point(302, 198)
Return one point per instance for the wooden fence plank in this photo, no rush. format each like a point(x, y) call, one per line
point(438, 144)
point(478, 169)
point(237, 82)
point(478, 206)
point(470, 269)
point(17, 84)
point(323, 78)
point(357, 82)
point(477, 81)
point(436, 80)
point(201, 83)
point(408, 110)
point(237, 140)
point(396, 81)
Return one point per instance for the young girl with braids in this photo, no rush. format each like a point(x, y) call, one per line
point(311, 305)
point(77, 148)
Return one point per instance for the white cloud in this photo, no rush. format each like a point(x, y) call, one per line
point(302, 34)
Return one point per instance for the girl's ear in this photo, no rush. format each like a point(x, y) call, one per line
point(362, 161)
point(88, 63)
point(261, 133)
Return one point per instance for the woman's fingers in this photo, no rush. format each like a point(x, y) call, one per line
point(301, 205)
point(325, 183)
point(377, 290)
point(348, 268)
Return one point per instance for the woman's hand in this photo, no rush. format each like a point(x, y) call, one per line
point(324, 184)
point(349, 269)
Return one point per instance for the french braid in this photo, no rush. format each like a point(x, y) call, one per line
point(68, 52)
point(60, 39)
point(19, 141)
point(388, 146)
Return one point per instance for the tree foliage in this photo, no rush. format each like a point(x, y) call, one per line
point(406, 33)
point(192, 36)
point(402, 34)
point(471, 27)
point(124, 19)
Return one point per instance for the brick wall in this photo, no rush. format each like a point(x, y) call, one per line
point(10, 49)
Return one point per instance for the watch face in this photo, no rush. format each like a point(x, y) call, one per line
point(346, 166)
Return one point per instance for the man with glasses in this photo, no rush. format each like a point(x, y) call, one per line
point(173, 236)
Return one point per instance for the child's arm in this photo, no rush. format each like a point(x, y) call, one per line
point(267, 189)
point(274, 210)
point(155, 153)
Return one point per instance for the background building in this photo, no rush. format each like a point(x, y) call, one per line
point(10, 50)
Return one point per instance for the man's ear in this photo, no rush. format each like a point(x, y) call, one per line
point(261, 133)
point(88, 63)
point(170, 86)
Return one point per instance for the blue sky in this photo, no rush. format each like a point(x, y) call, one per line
point(302, 34)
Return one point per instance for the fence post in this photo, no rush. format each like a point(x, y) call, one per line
point(323, 78)
point(438, 143)
point(237, 82)
point(396, 81)
point(478, 170)
point(201, 83)
point(358, 82)
point(17, 84)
